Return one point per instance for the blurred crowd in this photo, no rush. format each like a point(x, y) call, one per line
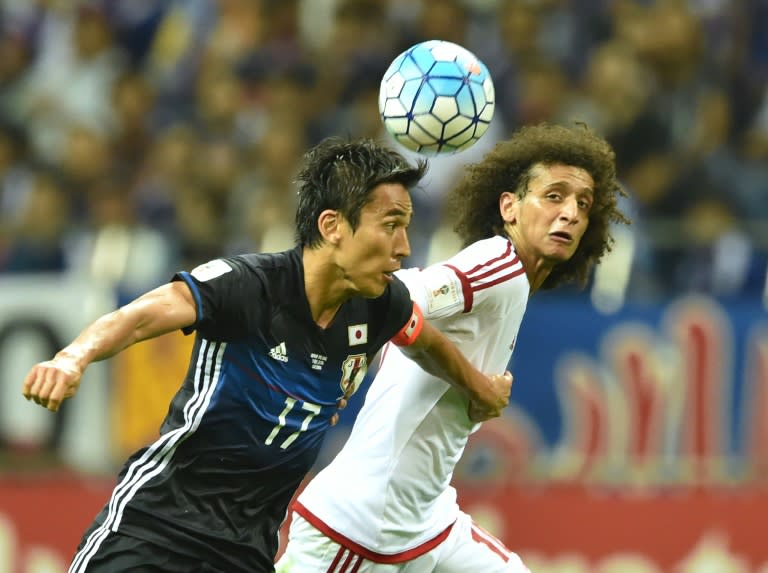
point(138, 137)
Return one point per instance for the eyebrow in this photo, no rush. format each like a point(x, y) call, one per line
point(561, 183)
point(397, 212)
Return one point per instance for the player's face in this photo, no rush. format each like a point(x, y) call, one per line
point(548, 223)
point(375, 249)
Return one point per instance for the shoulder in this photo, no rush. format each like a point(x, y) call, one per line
point(248, 275)
point(282, 262)
point(268, 269)
point(490, 261)
point(490, 270)
point(485, 254)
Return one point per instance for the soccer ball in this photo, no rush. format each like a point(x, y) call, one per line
point(436, 97)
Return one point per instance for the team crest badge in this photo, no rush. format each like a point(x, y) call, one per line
point(353, 371)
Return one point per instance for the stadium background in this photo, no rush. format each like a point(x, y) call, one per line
point(138, 137)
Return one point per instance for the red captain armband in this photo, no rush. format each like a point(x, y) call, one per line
point(410, 332)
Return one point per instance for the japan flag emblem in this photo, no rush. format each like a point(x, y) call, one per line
point(357, 334)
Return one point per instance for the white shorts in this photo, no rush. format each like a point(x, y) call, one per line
point(467, 549)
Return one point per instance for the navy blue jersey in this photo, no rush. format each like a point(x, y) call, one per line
point(248, 422)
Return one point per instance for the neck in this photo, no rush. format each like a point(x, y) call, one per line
point(537, 272)
point(537, 268)
point(324, 285)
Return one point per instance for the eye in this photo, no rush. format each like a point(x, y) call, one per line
point(553, 196)
point(584, 204)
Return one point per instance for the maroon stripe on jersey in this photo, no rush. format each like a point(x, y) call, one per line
point(356, 568)
point(336, 559)
point(347, 562)
point(489, 284)
point(493, 270)
point(466, 288)
point(347, 544)
point(490, 262)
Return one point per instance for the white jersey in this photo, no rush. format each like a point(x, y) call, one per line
point(388, 490)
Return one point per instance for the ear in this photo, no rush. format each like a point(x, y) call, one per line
point(329, 225)
point(509, 204)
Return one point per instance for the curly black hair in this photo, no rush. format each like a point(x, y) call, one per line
point(474, 203)
point(340, 175)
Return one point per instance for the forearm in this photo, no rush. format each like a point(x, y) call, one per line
point(442, 359)
point(104, 338)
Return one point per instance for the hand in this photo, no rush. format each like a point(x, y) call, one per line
point(501, 385)
point(335, 418)
point(50, 383)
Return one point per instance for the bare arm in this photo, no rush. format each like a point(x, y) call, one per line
point(164, 309)
point(437, 355)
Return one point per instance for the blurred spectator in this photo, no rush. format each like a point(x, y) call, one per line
point(114, 249)
point(718, 257)
point(135, 25)
point(174, 55)
point(218, 101)
point(199, 231)
point(360, 34)
point(133, 101)
point(167, 166)
point(70, 81)
point(14, 175)
point(15, 56)
point(264, 200)
point(440, 19)
point(36, 242)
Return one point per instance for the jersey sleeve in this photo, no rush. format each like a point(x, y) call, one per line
point(438, 290)
point(221, 289)
point(486, 273)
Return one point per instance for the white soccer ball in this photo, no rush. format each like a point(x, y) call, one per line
point(436, 97)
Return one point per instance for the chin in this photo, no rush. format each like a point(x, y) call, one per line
point(554, 259)
point(561, 256)
point(373, 291)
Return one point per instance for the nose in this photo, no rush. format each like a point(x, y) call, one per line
point(402, 247)
point(569, 210)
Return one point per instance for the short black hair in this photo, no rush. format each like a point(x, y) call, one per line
point(339, 174)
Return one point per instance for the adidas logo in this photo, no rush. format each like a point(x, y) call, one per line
point(279, 352)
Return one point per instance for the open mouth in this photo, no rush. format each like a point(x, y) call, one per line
point(562, 236)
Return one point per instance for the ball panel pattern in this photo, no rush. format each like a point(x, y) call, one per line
point(436, 97)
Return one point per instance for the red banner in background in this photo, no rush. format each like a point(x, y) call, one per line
point(557, 529)
point(43, 517)
point(576, 529)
